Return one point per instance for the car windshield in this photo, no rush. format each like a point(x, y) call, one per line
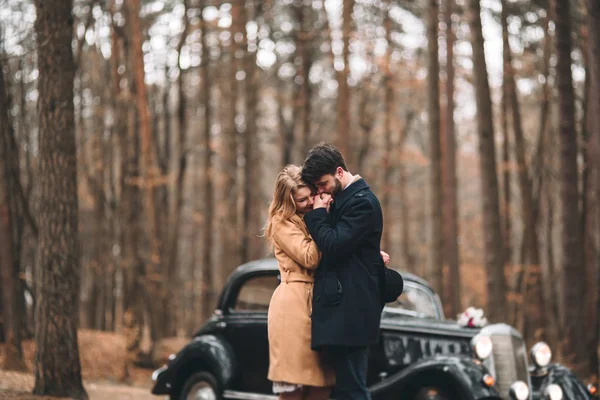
point(414, 300)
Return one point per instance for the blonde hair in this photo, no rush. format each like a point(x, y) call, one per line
point(282, 205)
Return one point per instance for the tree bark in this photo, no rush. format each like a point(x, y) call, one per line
point(435, 263)
point(367, 110)
point(57, 368)
point(388, 131)
point(253, 244)
point(494, 249)
point(287, 130)
point(207, 271)
point(230, 185)
point(540, 182)
point(173, 303)
point(131, 267)
point(343, 96)
point(302, 89)
point(527, 281)
point(408, 258)
point(450, 184)
point(11, 317)
point(592, 238)
point(117, 131)
point(572, 268)
point(506, 168)
point(153, 286)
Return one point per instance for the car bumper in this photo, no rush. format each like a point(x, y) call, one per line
point(161, 384)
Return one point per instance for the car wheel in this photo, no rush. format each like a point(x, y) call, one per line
point(431, 393)
point(200, 386)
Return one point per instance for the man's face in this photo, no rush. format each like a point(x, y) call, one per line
point(329, 184)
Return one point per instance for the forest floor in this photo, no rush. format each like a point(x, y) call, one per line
point(106, 373)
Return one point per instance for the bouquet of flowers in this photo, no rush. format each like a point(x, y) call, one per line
point(472, 318)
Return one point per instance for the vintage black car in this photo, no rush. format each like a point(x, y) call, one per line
point(420, 355)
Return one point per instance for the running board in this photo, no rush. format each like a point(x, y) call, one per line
point(233, 395)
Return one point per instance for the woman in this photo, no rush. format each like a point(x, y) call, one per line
point(297, 372)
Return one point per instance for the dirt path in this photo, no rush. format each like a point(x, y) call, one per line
point(18, 386)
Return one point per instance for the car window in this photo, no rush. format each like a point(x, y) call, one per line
point(415, 300)
point(255, 294)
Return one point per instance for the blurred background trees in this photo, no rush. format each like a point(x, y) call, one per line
point(476, 123)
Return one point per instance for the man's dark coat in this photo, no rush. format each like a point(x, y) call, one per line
point(347, 300)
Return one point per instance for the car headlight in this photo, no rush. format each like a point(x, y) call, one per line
point(519, 391)
point(482, 346)
point(541, 355)
point(553, 392)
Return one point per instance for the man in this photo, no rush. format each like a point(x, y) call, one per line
point(346, 223)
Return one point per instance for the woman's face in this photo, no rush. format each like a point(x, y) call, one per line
point(304, 201)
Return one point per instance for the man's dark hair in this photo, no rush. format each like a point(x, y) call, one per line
point(323, 159)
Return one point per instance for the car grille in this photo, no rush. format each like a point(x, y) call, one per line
point(509, 359)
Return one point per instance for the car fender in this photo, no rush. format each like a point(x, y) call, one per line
point(572, 387)
point(465, 375)
point(209, 353)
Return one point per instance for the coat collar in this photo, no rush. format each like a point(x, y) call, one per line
point(350, 191)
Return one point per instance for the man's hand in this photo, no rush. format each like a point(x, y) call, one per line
point(322, 200)
point(385, 256)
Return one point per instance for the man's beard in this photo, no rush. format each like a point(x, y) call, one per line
point(337, 188)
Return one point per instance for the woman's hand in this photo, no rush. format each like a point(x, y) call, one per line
point(385, 256)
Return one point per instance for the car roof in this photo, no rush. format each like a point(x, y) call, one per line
point(270, 264)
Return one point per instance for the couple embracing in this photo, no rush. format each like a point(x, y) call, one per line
point(325, 227)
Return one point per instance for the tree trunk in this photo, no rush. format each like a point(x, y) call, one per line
point(408, 258)
point(367, 110)
point(230, 243)
point(540, 182)
point(527, 281)
point(452, 284)
point(572, 269)
point(343, 96)
point(2, 337)
point(207, 271)
point(506, 168)
point(30, 238)
point(11, 318)
point(592, 238)
point(130, 267)
point(287, 130)
point(549, 276)
point(302, 90)
point(118, 132)
point(173, 303)
point(494, 249)
point(130, 212)
point(131, 206)
point(153, 286)
point(95, 174)
point(435, 263)
point(57, 369)
point(25, 130)
point(388, 131)
point(253, 244)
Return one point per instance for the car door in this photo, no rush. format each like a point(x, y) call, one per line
point(246, 331)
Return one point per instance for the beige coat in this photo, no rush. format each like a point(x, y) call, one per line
point(291, 359)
